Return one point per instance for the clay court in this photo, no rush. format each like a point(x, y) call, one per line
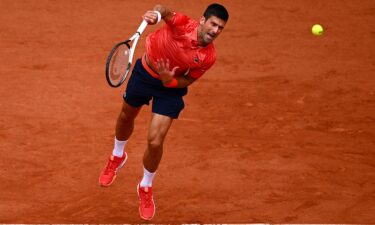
point(280, 130)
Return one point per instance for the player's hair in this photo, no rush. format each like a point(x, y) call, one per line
point(216, 10)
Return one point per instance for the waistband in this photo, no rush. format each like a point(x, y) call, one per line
point(148, 68)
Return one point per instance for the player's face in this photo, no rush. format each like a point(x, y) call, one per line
point(210, 29)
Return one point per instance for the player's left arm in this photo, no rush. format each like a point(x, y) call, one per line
point(167, 75)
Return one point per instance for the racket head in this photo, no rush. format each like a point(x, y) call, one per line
point(118, 64)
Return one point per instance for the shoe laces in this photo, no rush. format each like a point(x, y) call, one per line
point(147, 198)
point(111, 166)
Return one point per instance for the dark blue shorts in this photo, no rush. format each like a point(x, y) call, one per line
point(142, 87)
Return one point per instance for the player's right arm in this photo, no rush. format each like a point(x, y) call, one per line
point(166, 13)
point(152, 17)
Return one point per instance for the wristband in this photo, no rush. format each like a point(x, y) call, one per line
point(172, 84)
point(159, 16)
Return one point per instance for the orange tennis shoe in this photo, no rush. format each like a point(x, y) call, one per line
point(110, 170)
point(146, 202)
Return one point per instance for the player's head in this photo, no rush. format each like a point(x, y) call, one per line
point(216, 10)
point(212, 23)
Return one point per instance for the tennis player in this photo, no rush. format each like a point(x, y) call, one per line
point(176, 55)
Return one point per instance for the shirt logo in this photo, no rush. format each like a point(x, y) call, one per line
point(196, 60)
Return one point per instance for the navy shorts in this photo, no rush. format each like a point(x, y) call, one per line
point(142, 87)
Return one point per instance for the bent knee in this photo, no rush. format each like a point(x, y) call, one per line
point(155, 143)
point(126, 116)
point(128, 112)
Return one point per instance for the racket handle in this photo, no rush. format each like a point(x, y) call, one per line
point(142, 27)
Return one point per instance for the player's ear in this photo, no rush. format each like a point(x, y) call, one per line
point(202, 20)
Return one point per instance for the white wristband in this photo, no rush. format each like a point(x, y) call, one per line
point(159, 16)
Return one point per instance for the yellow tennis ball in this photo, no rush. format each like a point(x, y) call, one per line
point(317, 30)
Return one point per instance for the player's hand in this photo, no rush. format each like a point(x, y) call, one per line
point(151, 17)
point(166, 74)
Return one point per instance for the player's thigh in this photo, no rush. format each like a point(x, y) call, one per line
point(129, 112)
point(159, 127)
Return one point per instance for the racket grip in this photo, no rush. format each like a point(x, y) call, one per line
point(142, 27)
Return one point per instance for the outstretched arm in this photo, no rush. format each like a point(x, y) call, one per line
point(152, 17)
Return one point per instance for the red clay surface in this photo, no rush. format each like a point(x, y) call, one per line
point(281, 130)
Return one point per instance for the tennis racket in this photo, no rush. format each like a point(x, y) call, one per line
point(120, 58)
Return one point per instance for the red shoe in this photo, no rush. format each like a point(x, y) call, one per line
point(109, 172)
point(146, 202)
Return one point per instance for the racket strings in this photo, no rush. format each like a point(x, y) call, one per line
point(119, 63)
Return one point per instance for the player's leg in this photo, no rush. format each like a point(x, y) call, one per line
point(166, 107)
point(158, 130)
point(135, 97)
point(125, 122)
point(124, 129)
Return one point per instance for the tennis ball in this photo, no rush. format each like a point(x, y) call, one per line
point(317, 30)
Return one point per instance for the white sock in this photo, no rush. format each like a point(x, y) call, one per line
point(147, 178)
point(118, 150)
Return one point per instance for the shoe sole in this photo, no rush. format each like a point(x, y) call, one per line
point(114, 177)
point(139, 208)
